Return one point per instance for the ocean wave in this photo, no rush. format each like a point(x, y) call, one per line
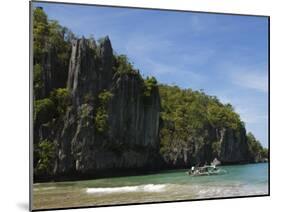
point(125, 189)
point(44, 188)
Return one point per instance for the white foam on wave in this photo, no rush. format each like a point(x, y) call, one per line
point(44, 188)
point(126, 189)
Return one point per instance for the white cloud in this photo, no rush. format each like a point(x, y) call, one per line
point(140, 44)
point(159, 57)
point(254, 77)
point(253, 80)
point(159, 68)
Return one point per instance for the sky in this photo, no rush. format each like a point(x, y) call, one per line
point(225, 55)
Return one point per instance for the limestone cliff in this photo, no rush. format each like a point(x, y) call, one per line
point(196, 128)
point(234, 147)
point(128, 137)
point(227, 145)
point(113, 121)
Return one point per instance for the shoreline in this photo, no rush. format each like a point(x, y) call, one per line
point(120, 173)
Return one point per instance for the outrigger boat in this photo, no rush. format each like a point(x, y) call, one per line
point(205, 171)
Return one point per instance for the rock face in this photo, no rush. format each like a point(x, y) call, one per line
point(233, 146)
point(130, 138)
point(134, 118)
point(53, 75)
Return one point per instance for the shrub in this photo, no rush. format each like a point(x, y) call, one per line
point(37, 81)
point(101, 116)
point(104, 97)
point(61, 99)
point(149, 84)
point(123, 66)
point(46, 155)
point(44, 110)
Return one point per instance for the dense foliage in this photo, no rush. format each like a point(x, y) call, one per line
point(194, 121)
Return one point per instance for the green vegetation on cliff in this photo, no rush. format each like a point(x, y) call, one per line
point(51, 50)
point(192, 122)
point(149, 84)
point(101, 116)
point(61, 99)
point(123, 66)
point(45, 151)
point(257, 151)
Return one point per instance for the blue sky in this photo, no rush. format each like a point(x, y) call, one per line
point(224, 55)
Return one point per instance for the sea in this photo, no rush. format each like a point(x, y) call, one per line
point(171, 185)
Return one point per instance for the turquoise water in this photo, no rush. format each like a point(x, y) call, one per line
point(240, 180)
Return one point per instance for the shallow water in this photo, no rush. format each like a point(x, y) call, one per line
point(240, 180)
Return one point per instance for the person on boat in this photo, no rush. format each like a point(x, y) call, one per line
point(215, 168)
point(192, 170)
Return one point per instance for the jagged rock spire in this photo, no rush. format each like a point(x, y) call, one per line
point(90, 68)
